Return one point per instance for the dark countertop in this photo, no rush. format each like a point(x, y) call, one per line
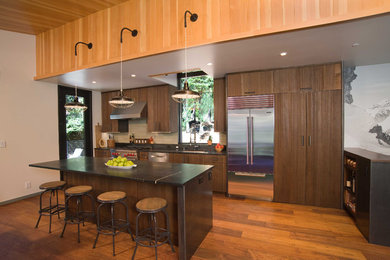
point(169, 148)
point(165, 173)
point(373, 156)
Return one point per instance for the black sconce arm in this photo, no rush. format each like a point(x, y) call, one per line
point(193, 17)
point(133, 32)
point(89, 45)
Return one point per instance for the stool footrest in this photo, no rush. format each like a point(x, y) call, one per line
point(109, 228)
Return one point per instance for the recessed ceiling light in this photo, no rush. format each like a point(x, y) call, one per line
point(93, 82)
point(209, 64)
point(133, 75)
point(355, 44)
point(284, 53)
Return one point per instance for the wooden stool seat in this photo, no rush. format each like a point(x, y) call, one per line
point(111, 196)
point(52, 185)
point(78, 190)
point(151, 205)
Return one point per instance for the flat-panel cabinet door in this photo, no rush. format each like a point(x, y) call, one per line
point(290, 148)
point(324, 149)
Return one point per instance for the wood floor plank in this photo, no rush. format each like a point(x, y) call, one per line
point(243, 229)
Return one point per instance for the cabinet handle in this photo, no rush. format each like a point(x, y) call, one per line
point(249, 92)
point(210, 175)
point(303, 140)
point(309, 140)
point(200, 180)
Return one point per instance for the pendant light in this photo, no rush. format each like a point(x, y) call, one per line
point(182, 95)
point(76, 105)
point(122, 101)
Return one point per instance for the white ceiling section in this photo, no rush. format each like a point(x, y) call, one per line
point(309, 46)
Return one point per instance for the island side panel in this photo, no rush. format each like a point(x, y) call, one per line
point(135, 191)
point(195, 213)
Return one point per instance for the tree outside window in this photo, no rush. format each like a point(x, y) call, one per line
point(197, 116)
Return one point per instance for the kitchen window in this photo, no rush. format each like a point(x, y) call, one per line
point(197, 115)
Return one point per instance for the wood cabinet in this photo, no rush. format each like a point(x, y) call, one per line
point(143, 156)
point(110, 125)
point(219, 105)
point(308, 148)
point(219, 170)
point(162, 110)
point(250, 83)
point(102, 153)
point(288, 80)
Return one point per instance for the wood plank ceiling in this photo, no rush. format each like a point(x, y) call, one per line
point(36, 16)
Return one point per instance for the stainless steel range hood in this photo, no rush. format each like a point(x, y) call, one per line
point(134, 111)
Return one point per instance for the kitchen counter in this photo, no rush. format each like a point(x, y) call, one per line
point(186, 187)
point(153, 172)
point(169, 148)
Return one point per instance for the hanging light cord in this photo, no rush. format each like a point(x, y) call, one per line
point(75, 64)
point(185, 50)
point(121, 70)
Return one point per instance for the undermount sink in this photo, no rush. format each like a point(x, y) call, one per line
point(189, 151)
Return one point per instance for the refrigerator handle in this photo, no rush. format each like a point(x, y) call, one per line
point(247, 140)
point(251, 140)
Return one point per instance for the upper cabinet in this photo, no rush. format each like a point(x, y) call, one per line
point(163, 112)
point(250, 83)
point(288, 80)
point(219, 105)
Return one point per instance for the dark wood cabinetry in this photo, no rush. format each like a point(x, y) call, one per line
point(219, 105)
point(250, 83)
point(143, 156)
point(102, 153)
point(108, 125)
point(287, 80)
point(219, 170)
point(162, 110)
point(366, 193)
point(308, 148)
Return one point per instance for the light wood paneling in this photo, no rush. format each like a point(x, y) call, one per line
point(160, 24)
point(34, 17)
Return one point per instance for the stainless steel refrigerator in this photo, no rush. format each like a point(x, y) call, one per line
point(251, 146)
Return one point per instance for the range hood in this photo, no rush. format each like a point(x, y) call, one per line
point(135, 111)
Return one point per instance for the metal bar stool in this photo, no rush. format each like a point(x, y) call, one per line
point(152, 236)
point(79, 216)
point(50, 210)
point(112, 226)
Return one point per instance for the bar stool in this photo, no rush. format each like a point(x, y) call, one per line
point(79, 216)
point(112, 226)
point(50, 210)
point(152, 236)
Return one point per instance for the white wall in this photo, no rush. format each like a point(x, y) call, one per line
point(28, 118)
point(370, 108)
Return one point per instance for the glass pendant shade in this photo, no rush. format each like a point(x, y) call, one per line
point(181, 95)
point(121, 101)
point(75, 105)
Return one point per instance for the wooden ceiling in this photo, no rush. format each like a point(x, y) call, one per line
point(36, 16)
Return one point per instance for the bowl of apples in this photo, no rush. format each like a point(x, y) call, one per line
point(120, 163)
point(219, 147)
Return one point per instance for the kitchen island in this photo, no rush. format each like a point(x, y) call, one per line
point(186, 187)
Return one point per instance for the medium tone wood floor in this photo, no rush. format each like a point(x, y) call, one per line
point(243, 229)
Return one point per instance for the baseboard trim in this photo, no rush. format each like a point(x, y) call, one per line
point(19, 198)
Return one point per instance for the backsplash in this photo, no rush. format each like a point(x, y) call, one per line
point(139, 128)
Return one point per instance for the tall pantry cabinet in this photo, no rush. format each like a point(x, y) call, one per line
point(308, 132)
